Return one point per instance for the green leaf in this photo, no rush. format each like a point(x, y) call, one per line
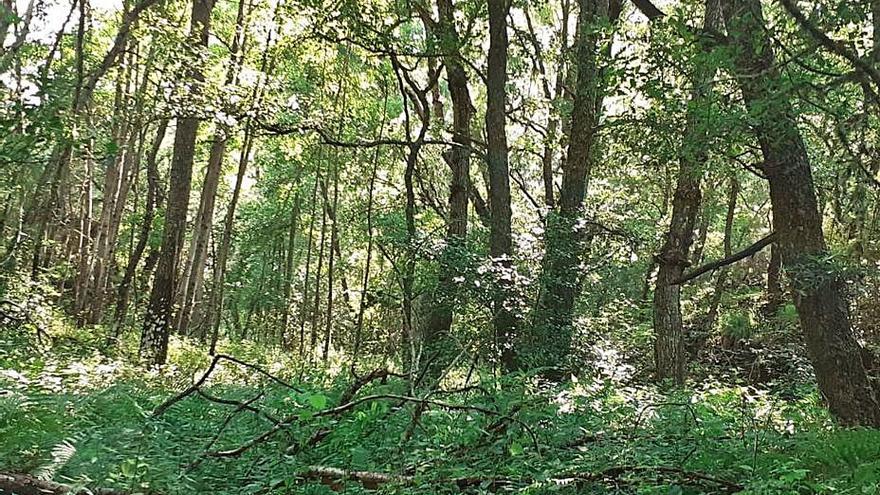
point(516, 449)
point(318, 401)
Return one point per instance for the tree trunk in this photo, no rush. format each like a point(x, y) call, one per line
point(721, 279)
point(669, 355)
point(550, 338)
point(500, 241)
point(192, 287)
point(158, 319)
point(316, 306)
point(154, 200)
point(215, 308)
point(439, 319)
point(774, 281)
point(334, 241)
point(820, 300)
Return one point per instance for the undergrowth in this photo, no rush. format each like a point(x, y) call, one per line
point(76, 415)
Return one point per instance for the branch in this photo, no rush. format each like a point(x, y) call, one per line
point(648, 8)
point(831, 45)
point(195, 386)
point(118, 45)
point(286, 422)
point(335, 478)
point(24, 484)
point(280, 130)
point(745, 253)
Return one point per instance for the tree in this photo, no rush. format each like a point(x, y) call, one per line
point(458, 158)
point(500, 241)
point(549, 342)
point(669, 340)
point(160, 312)
point(818, 296)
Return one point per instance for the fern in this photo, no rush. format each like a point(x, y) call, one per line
point(62, 453)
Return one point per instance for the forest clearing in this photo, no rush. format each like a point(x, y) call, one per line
point(439, 246)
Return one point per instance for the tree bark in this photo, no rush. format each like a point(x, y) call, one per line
point(192, 288)
point(154, 200)
point(500, 240)
point(158, 319)
point(820, 301)
point(669, 355)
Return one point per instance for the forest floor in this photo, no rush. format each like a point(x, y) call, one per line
point(71, 414)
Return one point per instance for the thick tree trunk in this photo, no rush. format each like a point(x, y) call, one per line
point(158, 319)
point(500, 240)
point(669, 355)
point(820, 300)
point(550, 338)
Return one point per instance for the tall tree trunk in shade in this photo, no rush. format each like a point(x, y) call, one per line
point(549, 339)
point(500, 240)
point(160, 311)
point(154, 201)
point(439, 320)
point(193, 277)
point(669, 334)
point(820, 301)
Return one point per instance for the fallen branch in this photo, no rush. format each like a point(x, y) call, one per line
point(289, 420)
point(240, 405)
point(335, 478)
point(745, 253)
point(25, 484)
point(377, 374)
point(195, 386)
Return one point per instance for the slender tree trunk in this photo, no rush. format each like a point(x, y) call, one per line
point(500, 240)
point(334, 232)
point(820, 300)
point(160, 312)
point(305, 287)
point(316, 306)
point(154, 200)
point(192, 287)
point(721, 280)
point(287, 281)
point(215, 309)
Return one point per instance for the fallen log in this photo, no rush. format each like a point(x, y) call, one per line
point(335, 478)
point(25, 484)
